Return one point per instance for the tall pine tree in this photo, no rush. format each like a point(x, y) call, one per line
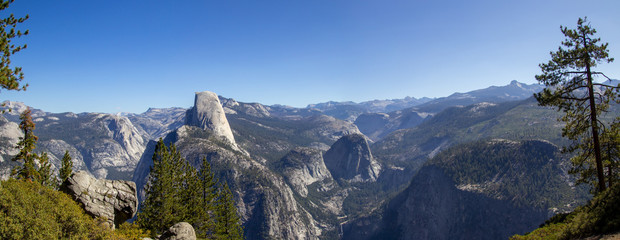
point(177, 192)
point(158, 210)
point(26, 147)
point(35, 167)
point(569, 78)
point(208, 194)
point(227, 221)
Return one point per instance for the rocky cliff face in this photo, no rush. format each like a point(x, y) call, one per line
point(378, 125)
point(351, 110)
point(302, 167)
point(483, 190)
point(208, 113)
point(265, 202)
point(9, 136)
point(56, 150)
point(350, 159)
point(252, 109)
point(117, 147)
point(109, 146)
point(433, 208)
point(156, 123)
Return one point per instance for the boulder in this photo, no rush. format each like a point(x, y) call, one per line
point(179, 231)
point(114, 200)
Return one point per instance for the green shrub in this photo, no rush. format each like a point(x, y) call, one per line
point(131, 231)
point(600, 216)
point(548, 232)
point(31, 211)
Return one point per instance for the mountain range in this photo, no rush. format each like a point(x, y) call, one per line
point(340, 169)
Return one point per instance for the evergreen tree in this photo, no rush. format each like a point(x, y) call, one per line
point(66, 167)
point(208, 194)
point(158, 211)
point(194, 211)
point(26, 147)
point(227, 221)
point(45, 175)
point(610, 144)
point(570, 86)
point(10, 77)
point(177, 192)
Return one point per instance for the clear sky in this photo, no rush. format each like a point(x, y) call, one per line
point(113, 56)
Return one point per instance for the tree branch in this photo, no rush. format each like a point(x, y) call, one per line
point(605, 85)
point(574, 98)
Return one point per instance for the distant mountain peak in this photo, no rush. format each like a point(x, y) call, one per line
point(516, 83)
point(208, 113)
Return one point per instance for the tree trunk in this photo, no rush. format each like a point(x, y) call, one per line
point(594, 123)
point(611, 175)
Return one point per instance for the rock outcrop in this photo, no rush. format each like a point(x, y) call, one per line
point(208, 113)
point(114, 200)
point(179, 231)
point(56, 148)
point(9, 136)
point(266, 204)
point(350, 159)
point(302, 167)
point(252, 109)
point(433, 208)
point(378, 125)
point(328, 128)
point(118, 144)
point(155, 123)
point(482, 190)
point(107, 145)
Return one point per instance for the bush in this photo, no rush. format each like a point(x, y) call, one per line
point(600, 216)
point(131, 231)
point(548, 232)
point(31, 211)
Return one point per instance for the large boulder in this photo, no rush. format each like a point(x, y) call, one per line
point(179, 231)
point(114, 200)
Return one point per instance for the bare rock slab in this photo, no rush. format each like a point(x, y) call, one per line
point(114, 200)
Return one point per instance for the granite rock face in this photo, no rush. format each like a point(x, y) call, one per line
point(9, 135)
point(350, 159)
point(378, 125)
point(106, 145)
point(231, 106)
point(302, 167)
point(266, 204)
point(179, 231)
point(155, 123)
point(208, 113)
point(115, 200)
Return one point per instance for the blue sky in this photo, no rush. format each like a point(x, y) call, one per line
point(112, 56)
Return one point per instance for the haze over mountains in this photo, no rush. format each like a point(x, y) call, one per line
point(340, 169)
